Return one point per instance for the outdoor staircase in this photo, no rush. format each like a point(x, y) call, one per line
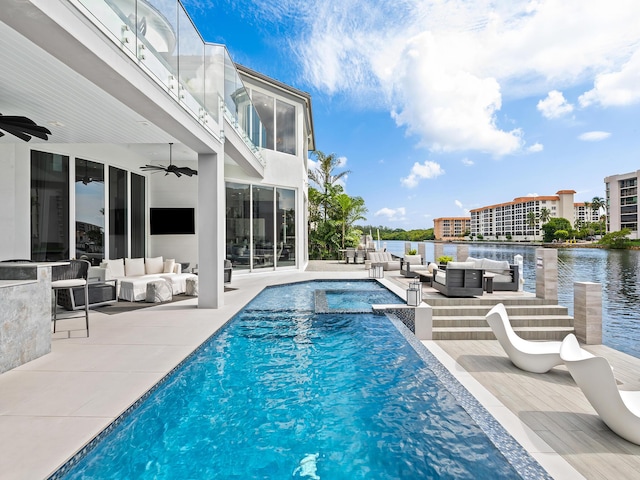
point(532, 318)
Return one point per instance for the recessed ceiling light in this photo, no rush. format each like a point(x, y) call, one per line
point(56, 123)
point(144, 123)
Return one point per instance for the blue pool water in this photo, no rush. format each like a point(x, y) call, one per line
point(282, 392)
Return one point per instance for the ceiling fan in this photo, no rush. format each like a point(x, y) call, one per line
point(178, 171)
point(22, 127)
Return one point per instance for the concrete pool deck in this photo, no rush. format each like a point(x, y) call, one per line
point(52, 406)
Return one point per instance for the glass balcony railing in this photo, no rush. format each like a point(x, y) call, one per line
point(200, 76)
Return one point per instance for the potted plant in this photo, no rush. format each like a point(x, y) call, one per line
point(443, 260)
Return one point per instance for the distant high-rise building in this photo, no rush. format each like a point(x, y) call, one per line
point(451, 228)
point(622, 202)
point(514, 220)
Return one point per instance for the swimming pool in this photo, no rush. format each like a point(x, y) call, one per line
point(284, 392)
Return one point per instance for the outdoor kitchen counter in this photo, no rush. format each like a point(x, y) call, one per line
point(25, 312)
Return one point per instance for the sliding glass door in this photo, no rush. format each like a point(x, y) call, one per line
point(49, 206)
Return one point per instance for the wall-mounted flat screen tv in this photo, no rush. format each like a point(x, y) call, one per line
point(172, 221)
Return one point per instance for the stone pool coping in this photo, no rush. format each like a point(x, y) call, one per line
point(51, 407)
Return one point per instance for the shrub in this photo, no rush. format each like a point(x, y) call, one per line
point(444, 259)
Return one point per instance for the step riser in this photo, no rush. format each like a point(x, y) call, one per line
point(473, 335)
point(443, 301)
point(511, 311)
point(468, 322)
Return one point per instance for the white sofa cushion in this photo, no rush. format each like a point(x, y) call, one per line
point(113, 268)
point(440, 277)
point(461, 265)
point(134, 267)
point(153, 265)
point(169, 265)
point(496, 266)
point(476, 261)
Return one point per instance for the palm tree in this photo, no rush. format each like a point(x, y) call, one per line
point(351, 210)
point(324, 177)
point(545, 215)
point(532, 221)
point(597, 204)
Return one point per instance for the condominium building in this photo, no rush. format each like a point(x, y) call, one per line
point(622, 202)
point(159, 145)
point(513, 219)
point(451, 228)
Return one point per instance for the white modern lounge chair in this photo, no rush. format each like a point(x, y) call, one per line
point(535, 357)
point(619, 409)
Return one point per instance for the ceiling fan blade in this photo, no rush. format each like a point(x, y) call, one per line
point(16, 132)
point(187, 171)
point(23, 127)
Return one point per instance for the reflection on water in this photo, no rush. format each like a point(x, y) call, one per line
point(618, 272)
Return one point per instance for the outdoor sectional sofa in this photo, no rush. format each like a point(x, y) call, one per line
point(133, 275)
point(385, 258)
point(505, 275)
point(458, 280)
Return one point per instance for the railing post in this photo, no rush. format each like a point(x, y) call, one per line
point(438, 251)
point(519, 260)
point(547, 273)
point(587, 312)
point(462, 252)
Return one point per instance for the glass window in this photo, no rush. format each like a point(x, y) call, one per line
point(89, 185)
point(264, 106)
point(286, 227)
point(285, 127)
point(238, 224)
point(118, 220)
point(138, 219)
point(263, 227)
point(49, 206)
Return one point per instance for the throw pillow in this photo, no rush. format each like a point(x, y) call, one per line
point(134, 267)
point(153, 265)
point(169, 265)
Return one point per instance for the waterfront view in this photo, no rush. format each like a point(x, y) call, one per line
point(618, 271)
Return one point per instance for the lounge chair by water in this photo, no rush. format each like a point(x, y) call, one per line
point(535, 357)
point(619, 409)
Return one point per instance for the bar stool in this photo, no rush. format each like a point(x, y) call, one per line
point(68, 277)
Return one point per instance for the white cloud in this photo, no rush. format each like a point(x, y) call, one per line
point(535, 148)
point(459, 204)
point(442, 68)
point(532, 195)
point(467, 162)
point(392, 214)
point(616, 88)
point(420, 171)
point(554, 105)
point(594, 136)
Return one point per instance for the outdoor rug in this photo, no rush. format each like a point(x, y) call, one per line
point(123, 306)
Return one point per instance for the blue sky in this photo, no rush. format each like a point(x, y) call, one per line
point(438, 107)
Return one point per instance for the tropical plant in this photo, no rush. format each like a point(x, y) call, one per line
point(616, 239)
point(412, 251)
point(561, 234)
point(553, 225)
point(444, 259)
point(545, 215)
point(350, 210)
point(325, 177)
point(532, 218)
point(597, 204)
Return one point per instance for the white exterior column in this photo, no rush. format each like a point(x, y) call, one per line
point(211, 223)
